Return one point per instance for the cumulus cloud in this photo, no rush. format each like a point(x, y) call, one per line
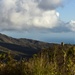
point(31, 14)
point(71, 25)
point(25, 14)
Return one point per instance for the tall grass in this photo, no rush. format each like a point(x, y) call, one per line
point(44, 63)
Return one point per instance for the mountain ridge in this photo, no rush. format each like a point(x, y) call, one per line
point(20, 41)
point(22, 46)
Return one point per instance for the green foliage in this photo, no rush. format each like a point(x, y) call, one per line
point(59, 60)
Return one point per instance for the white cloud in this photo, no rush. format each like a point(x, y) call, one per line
point(71, 25)
point(24, 14)
point(32, 14)
point(47, 19)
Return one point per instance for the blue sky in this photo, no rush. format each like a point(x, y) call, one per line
point(67, 12)
point(45, 20)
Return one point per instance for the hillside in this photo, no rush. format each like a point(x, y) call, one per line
point(55, 60)
point(22, 41)
point(40, 58)
point(22, 46)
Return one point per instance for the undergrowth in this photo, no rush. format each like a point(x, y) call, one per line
point(53, 61)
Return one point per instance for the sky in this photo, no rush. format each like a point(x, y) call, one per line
point(67, 11)
point(44, 20)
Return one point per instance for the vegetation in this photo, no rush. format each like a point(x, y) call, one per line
point(56, 60)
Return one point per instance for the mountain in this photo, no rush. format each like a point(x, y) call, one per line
point(21, 47)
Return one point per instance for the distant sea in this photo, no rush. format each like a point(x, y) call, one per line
point(59, 40)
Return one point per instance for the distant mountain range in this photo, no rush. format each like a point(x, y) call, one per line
point(21, 47)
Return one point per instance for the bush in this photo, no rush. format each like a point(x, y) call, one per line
point(45, 63)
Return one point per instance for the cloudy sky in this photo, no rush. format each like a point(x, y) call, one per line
point(44, 20)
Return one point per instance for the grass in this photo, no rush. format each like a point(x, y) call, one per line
point(58, 60)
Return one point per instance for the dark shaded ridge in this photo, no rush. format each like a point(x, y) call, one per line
point(27, 50)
